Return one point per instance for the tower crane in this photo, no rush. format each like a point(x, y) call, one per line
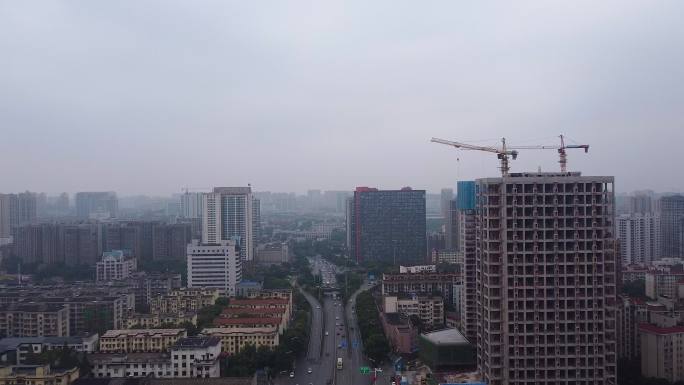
point(561, 150)
point(502, 152)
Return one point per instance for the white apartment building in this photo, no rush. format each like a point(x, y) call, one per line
point(189, 357)
point(231, 213)
point(114, 266)
point(235, 339)
point(215, 266)
point(546, 279)
point(662, 351)
point(139, 340)
point(639, 236)
point(417, 269)
point(191, 205)
point(663, 282)
point(452, 257)
point(430, 310)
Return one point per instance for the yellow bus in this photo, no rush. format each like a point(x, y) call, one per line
point(339, 363)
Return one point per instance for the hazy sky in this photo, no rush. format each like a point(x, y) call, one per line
point(149, 96)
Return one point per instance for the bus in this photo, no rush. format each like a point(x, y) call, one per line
point(339, 363)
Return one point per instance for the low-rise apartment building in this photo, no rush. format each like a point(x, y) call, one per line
point(234, 339)
point(37, 375)
point(430, 310)
point(662, 350)
point(21, 347)
point(189, 357)
point(249, 322)
point(663, 283)
point(147, 321)
point(34, 320)
point(184, 299)
point(257, 304)
point(114, 266)
point(402, 336)
point(421, 284)
point(242, 313)
point(140, 340)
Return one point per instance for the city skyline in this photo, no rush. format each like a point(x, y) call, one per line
point(98, 93)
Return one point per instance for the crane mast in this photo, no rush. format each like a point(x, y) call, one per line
point(562, 154)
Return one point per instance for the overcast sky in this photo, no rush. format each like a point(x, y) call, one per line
point(150, 96)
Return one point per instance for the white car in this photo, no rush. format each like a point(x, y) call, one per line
point(309, 371)
point(291, 374)
point(326, 333)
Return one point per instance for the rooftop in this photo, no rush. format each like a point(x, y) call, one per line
point(134, 332)
point(196, 342)
point(260, 330)
point(165, 381)
point(13, 342)
point(258, 301)
point(202, 381)
point(247, 320)
point(446, 337)
point(661, 330)
point(113, 358)
point(32, 307)
point(237, 311)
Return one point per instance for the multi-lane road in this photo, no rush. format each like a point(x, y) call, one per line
point(342, 340)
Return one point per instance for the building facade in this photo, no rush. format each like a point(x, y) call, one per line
point(217, 266)
point(430, 310)
point(34, 320)
point(639, 236)
point(184, 299)
point(232, 213)
point(235, 339)
point(663, 282)
point(139, 340)
point(387, 225)
point(16, 210)
point(37, 375)
point(546, 279)
point(466, 215)
point(662, 351)
point(190, 357)
point(421, 284)
point(98, 205)
point(191, 205)
point(671, 209)
point(114, 266)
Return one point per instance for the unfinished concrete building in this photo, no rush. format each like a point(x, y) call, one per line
point(546, 279)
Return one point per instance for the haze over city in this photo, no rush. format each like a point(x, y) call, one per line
point(148, 97)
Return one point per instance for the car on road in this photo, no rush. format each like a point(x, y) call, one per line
point(291, 374)
point(318, 307)
point(309, 371)
point(326, 333)
point(337, 318)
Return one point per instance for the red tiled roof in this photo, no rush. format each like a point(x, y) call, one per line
point(258, 301)
point(247, 321)
point(658, 330)
point(231, 311)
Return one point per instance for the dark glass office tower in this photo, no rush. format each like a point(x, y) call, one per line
point(387, 225)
